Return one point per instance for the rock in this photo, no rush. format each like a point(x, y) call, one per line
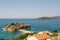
point(15, 26)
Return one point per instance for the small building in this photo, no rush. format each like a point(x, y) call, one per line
point(31, 38)
point(43, 36)
point(45, 32)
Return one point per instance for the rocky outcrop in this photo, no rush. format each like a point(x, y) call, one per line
point(15, 26)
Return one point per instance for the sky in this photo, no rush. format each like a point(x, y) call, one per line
point(29, 8)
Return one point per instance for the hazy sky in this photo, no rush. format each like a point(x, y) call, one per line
point(29, 8)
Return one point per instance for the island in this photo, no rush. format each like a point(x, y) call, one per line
point(49, 18)
point(15, 26)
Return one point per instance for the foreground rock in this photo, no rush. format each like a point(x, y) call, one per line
point(15, 26)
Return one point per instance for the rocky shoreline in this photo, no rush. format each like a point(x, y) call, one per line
point(15, 26)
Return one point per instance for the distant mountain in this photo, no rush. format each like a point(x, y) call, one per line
point(49, 18)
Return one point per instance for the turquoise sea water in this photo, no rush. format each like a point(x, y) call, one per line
point(36, 25)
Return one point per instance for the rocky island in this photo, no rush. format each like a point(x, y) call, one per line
point(15, 26)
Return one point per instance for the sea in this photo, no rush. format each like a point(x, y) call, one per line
point(36, 25)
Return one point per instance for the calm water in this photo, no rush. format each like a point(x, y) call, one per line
point(36, 25)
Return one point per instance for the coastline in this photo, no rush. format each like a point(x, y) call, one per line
point(36, 25)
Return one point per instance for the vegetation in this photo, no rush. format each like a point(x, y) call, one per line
point(20, 37)
point(54, 33)
point(24, 36)
point(45, 18)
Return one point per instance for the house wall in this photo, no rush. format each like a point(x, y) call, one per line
point(31, 38)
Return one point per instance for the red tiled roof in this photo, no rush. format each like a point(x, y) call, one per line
point(44, 35)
